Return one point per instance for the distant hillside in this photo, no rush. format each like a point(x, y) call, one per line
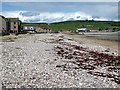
point(73, 25)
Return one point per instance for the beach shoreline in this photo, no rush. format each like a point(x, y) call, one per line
point(91, 39)
point(56, 61)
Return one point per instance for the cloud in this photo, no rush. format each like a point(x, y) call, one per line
point(36, 17)
point(107, 10)
point(29, 13)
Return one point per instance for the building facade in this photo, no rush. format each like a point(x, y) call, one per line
point(25, 28)
point(3, 25)
point(81, 30)
point(43, 30)
point(9, 25)
point(15, 25)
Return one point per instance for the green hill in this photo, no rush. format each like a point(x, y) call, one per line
point(73, 25)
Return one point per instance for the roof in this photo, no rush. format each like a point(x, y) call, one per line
point(81, 29)
point(13, 19)
point(10, 19)
point(28, 28)
point(2, 16)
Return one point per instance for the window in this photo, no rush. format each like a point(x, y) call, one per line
point(14, 26)
point(14, 22)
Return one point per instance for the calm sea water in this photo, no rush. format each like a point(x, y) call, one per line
point(108, 36)
point(105, 35)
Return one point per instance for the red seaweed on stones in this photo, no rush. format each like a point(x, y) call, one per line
point(70, 56)
point(113, 77)
point(99, 59)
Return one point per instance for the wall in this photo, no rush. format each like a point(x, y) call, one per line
point(2, 25)
point(12, 26)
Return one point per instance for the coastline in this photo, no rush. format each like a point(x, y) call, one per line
point(56, 60)
point(86, 39)
point(88, 33)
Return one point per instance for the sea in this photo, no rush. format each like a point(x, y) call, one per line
point(110, 36)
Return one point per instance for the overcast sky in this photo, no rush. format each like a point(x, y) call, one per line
point(35, 12)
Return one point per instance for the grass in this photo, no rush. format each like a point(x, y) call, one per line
point(73, 25)
point(4, 52)
point(17, 48)
point(15, 38)
point(7, 39)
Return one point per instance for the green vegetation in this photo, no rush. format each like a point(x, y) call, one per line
point(72, 33)
point(15, 37)
point(18, 48)
point(7, 39)
point(73, 25)
point(4, 52)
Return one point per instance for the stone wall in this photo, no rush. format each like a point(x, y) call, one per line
point(3, 27)
point(14, 26)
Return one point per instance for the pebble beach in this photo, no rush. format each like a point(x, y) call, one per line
point(56, 61)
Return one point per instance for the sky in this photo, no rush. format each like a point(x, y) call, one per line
point(49, 12)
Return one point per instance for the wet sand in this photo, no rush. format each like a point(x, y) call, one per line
point(85, 39)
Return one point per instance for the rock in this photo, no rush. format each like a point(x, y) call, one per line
point(61, 36)
point(47, 50)
point(80, 84)
point(60, 39)
point(55, 59)
point(39, 61)
point(34, 77)
point(113, 53)
point(61, 66)
point(70, 39)
point(107, 50)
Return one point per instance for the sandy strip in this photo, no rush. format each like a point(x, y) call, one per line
point(113, 45)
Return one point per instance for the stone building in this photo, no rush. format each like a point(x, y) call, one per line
point(9, 25)
point(4, 28)
point(43, 30)
point(15, 25)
